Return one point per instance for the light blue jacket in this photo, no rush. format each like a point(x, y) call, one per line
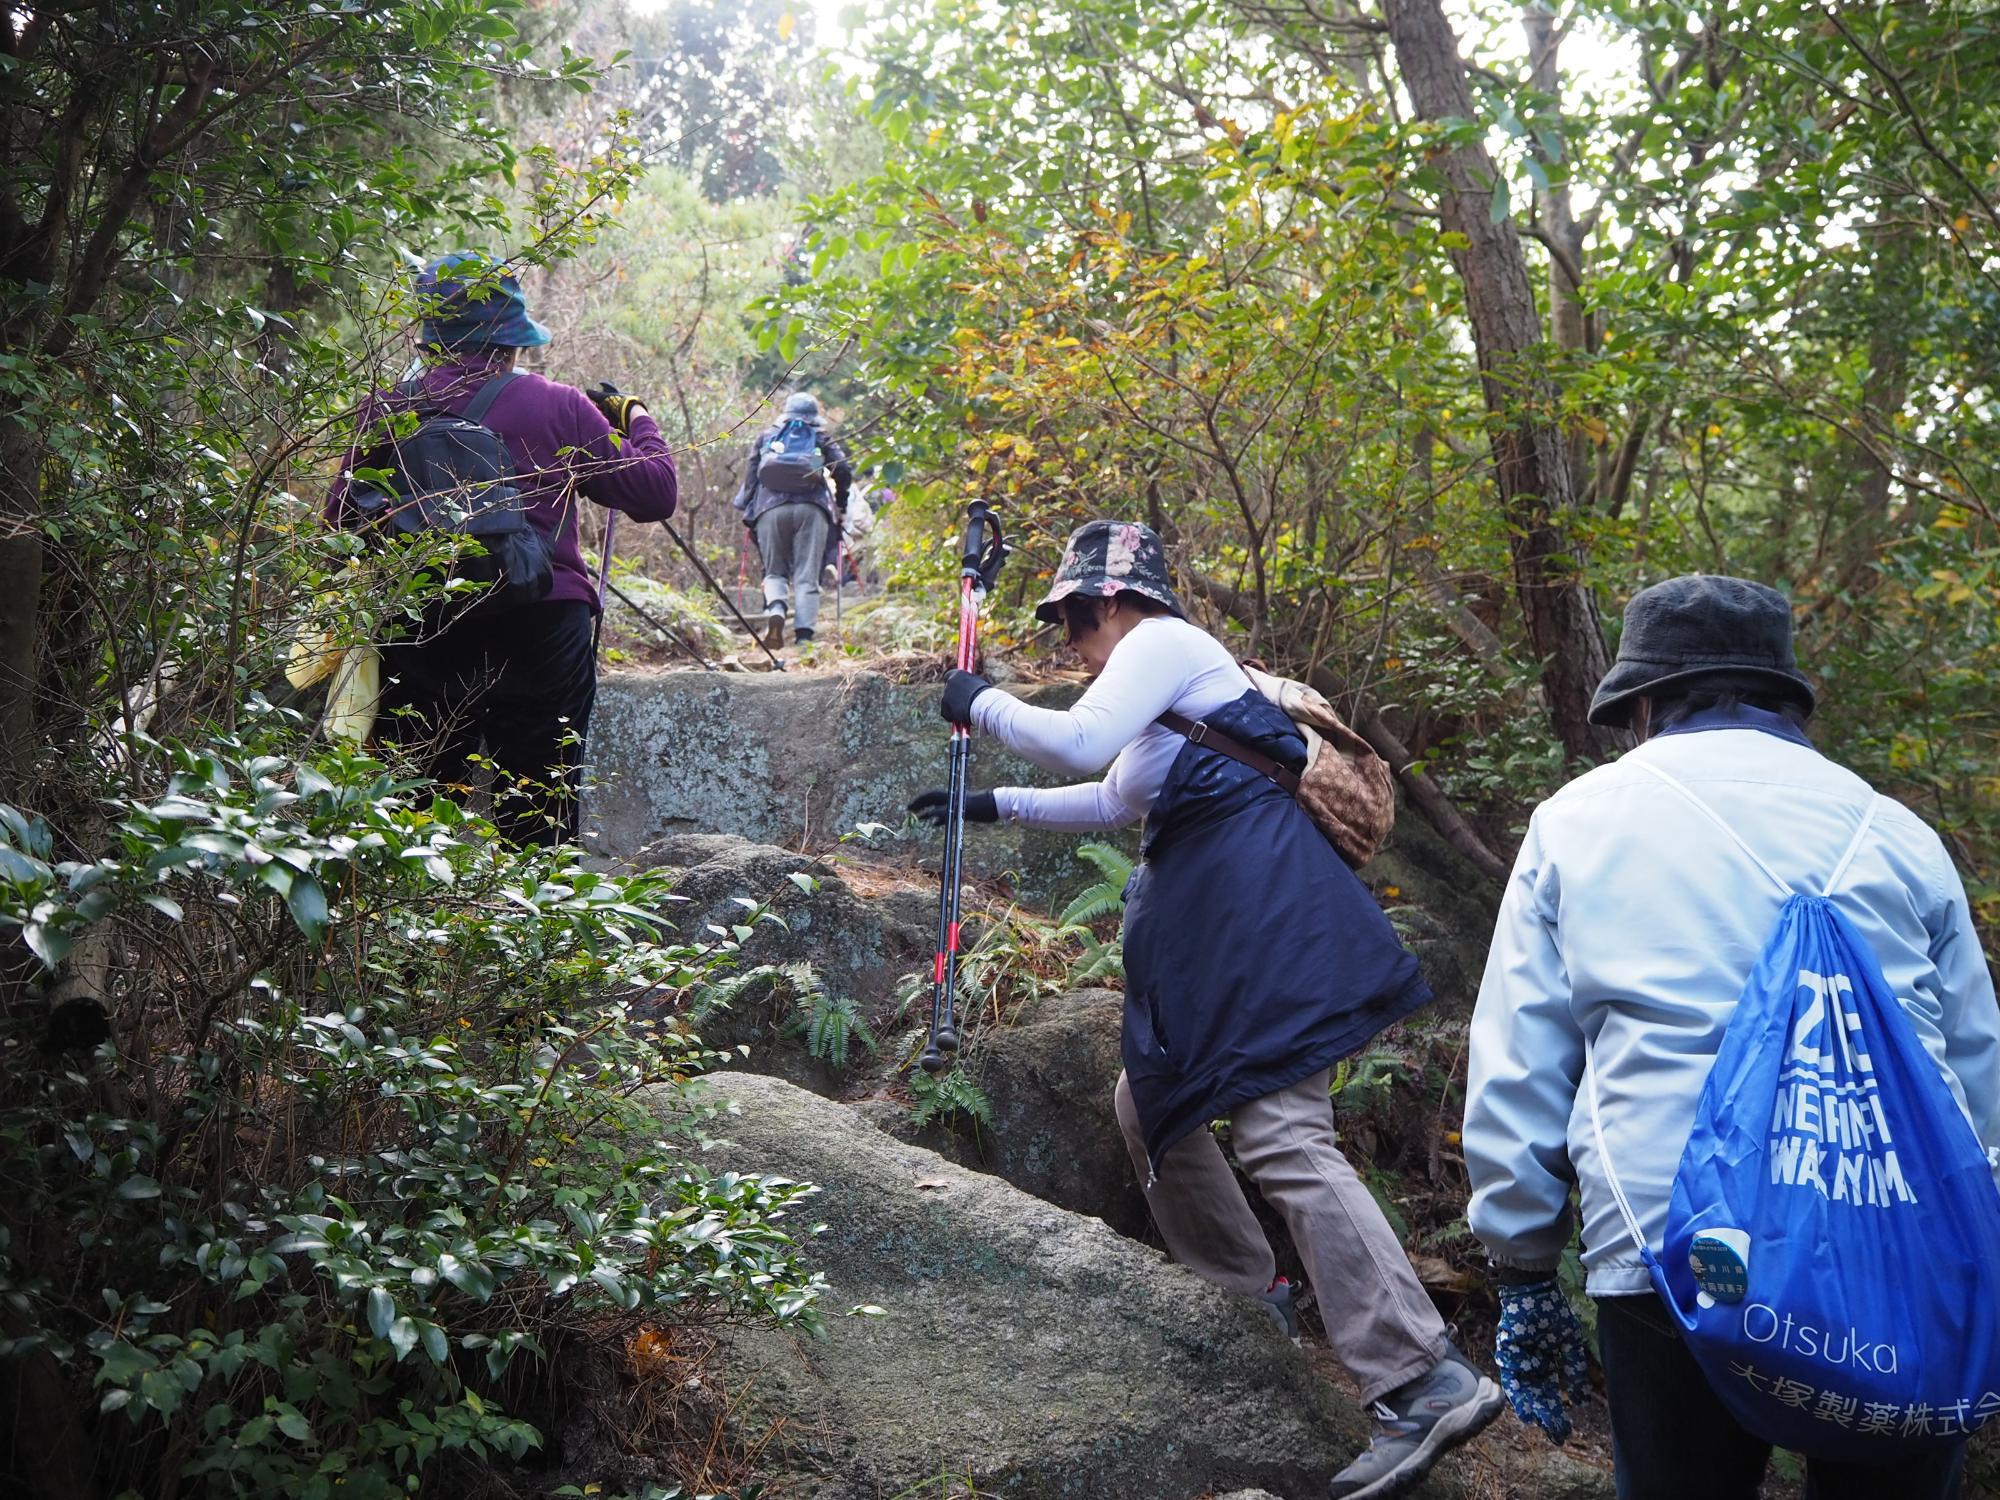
point(1631, 921)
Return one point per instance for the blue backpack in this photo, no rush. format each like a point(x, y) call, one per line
point(791, 463)
point(1833, 1237)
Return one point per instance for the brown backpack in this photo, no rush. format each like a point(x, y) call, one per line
point(1346, 788)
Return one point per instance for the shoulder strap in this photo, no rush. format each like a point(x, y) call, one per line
point(1839, 870)
point(1717, 819)
point(1854, 845)
point(483, 399)
point(1604, 1155)
point(1200, 732)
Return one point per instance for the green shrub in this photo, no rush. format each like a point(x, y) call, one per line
point(385, 1104)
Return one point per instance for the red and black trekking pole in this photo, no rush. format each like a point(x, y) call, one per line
point(979, 568)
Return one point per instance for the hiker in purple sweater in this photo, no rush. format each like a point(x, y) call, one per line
point(515, 683)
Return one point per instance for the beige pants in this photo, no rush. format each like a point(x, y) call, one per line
point(1379, 1320)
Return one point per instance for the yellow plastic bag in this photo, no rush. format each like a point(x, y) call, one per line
point(356, 690)
point(354, 677)
point(313, 659)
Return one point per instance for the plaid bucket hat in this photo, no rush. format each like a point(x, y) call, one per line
point(471, 301)
point(1107, 558)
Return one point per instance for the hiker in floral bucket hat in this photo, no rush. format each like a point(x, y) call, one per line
point(1105, 559)
point(1255, 959)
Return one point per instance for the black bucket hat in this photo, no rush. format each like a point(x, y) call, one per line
point(1730, 630)
point(1108, 558)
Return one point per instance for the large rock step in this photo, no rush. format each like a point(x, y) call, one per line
point(1026, 1352)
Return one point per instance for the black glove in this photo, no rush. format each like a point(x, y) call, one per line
point(615, 404)
point(930, 806)
point(959, 690)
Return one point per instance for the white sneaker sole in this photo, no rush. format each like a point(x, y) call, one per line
point(1456, 1427)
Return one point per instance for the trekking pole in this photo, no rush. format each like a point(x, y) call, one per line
point(979, 569)
point(603, 583)
point(720, 593)
point(674, 637)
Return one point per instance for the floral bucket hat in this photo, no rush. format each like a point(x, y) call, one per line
point(1104, 559)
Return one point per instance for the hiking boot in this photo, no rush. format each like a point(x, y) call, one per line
point(1416, 1425)
point(774, 626)
point(1278, 1303)
point(802, 637)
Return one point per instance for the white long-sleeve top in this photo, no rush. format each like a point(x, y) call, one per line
point(1162, 664)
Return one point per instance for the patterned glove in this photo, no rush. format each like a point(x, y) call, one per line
point(615, 404)
point(1539, 1351)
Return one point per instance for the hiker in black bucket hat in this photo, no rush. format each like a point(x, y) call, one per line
point(1255, 959)
point(1638, 909)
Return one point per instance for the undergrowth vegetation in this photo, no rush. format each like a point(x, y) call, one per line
point(374, 1108)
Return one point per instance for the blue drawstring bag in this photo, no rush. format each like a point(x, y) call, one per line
point(1833, 1236)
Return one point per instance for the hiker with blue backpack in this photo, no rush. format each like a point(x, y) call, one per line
point(1736, 1003)
point(793, 501)
point(475, 448)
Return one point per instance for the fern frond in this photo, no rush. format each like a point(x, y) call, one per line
point(723, 993)
point(953, 1092)
point(832, 1024)
point(1100, 961)
point(1113, 863)
point(1099, 901)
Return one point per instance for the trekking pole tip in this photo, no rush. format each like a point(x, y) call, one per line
point(932, 1060)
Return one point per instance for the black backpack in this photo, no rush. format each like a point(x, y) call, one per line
point(454, 475)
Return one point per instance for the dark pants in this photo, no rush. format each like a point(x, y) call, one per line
point(1673, 1439)
point(515, 685)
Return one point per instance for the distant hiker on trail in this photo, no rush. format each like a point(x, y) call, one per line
point(1255, 959)
point(855, 528)
point(511, 672)
point(1649, 895)
point(793, 500)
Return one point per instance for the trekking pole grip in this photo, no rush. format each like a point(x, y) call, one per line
point(984, 549)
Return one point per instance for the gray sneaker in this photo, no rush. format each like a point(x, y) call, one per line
point(1278, 1303)
point(1416, 1425)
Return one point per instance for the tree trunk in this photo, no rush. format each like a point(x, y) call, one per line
point(1530, 457)
point(20, 599)
point(1866, 476)
point(1568, 325)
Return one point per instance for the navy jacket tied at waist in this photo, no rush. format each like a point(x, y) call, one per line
point(1254, 956)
